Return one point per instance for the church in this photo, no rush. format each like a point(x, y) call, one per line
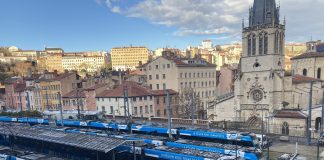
point(263, 90)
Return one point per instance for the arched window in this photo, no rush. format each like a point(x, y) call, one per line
point(281, 43)
point(265, 44)
point(319, 70)
point(318, 123)
point(253, 45)
point(249, 45)
point(304, 72)
point(260, 44)
point(285, 128)
point(276, 43)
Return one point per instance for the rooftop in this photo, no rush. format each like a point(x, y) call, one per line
point(96, 143)
point(290, 114)
point(303, 79)
point(134, 90)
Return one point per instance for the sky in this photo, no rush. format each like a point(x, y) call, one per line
point(83, 25)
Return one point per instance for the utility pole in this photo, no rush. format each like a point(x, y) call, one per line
point(262, 128)
point(20, 102)
point(126, 109)
point(78, 104)
point(168, 112)
point(192, 108)
point(309, 122)
point(61, 107)
point(47, 98)
point(322, 119)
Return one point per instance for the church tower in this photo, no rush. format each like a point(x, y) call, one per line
point(259, 85)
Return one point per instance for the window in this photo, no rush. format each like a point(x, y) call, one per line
point(185, 75)
point(134, 99)
point(165, 112)
point(150, 97)
point(265, 44)
point(157, 86)
point(103, 108)
point(285, 128)
point(276, 41)
point(150, 77)
point(253, 45)
point(181, 84)
point(151, 86)
point(156, 66)
point(157, 100)
point(158, 113)
point(163, 76)
point(116, 99)
point(135, 110)
point(164, 86)
point(102, 99)
point(141, 109)
point(180, 75)
point(304, 72)
point(146, 110)
point(151, 108)
point(168, 65)
point(319, 70)
point(260, 44)
point(164, 100)
point(249, 45)
point(157, 76)
point(111, 109)
point(189, 75)
point(140, 98)
point(194, 75)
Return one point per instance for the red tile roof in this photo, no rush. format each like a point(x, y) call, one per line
point(75, 94)
point(303, 79)
point(20, 87)
point(134, 90)
point(290, 114)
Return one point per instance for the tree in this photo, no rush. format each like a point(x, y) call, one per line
point(190, 104)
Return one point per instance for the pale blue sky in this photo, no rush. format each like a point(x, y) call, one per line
point(78, 25)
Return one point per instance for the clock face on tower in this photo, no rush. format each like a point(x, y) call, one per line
point(257, 95)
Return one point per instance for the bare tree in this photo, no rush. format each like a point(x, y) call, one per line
point(190, 104)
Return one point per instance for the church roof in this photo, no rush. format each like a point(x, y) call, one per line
point(303, 79)
point(264, 12)
point(290, 114)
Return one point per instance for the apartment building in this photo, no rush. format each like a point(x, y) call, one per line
point(181, 73)
point(142, 101)
point(125, 58)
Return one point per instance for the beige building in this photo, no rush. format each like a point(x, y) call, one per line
point(178, 74)
point(311, 63)
point(125, 58)
point(84, 62)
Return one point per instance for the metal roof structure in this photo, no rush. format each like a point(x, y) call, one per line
point(90, 142)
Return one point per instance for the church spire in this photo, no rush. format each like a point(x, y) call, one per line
point(264, 12)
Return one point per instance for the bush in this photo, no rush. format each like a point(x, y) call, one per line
point(22, 114)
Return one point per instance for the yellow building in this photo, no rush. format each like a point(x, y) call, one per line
point(54, 84)
point(128, 57)
point(50, 62)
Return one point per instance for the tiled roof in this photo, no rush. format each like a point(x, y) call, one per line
point(180, 62)
point(309, 55)
point(137, 72)
point(290, 114)
point(20, 87)
point(75, 94)
point(96, 86)
point(134, 90)
point(303, 79)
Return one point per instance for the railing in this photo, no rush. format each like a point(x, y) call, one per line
point(221, 98)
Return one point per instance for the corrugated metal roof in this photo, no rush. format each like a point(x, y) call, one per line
point(90, 142)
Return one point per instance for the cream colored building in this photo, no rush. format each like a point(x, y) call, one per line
point(83, 62)
point(178, 74)
point(125, 58)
